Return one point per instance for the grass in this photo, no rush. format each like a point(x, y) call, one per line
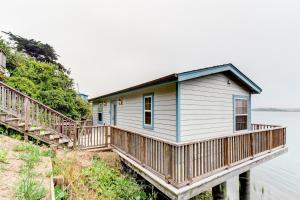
point(109, 183)
point(28, 188)
point(94, 178)
point(3, 156)
point(60, 193)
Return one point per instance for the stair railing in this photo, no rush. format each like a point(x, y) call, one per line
point(34, 113)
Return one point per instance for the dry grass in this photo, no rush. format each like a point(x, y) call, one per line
point(69, 164)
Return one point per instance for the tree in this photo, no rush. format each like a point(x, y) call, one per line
point(43, 81)
point(37, 49)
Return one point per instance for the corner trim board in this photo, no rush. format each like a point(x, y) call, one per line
point(178, 136)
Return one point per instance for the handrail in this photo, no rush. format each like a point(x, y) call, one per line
point(182, 163)
point(31, 99)
point(198, 140)
point(35, 114)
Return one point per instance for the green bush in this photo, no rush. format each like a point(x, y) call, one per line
point(110, 183)
point(44, 81)
point(60, 194)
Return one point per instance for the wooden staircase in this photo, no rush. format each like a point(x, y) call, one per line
point(34, 119)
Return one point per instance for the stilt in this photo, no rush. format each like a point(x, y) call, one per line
point(244, 180)
point(219, 191)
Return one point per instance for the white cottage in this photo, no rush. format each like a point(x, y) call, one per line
point(182, 107)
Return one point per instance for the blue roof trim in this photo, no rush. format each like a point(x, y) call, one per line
point(173, 78)
point(218, 69)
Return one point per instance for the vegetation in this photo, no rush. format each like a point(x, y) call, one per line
point(28, 187)
point(33, 70)
point(89, 177)
point(37, 49)
point(110, 183)
point(60, 193)
point(3, 156)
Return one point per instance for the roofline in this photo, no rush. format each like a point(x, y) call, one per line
point(162, 80)
point(255, 89)
point(219, 69)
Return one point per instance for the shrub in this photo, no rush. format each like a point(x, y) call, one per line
point(110, 183)
point(60, 193)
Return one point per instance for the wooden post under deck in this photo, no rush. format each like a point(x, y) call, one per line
point(219, 191)
point(244, 180)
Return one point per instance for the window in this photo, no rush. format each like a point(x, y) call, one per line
point(148, 111)
point(241, 114)
point(100, 112)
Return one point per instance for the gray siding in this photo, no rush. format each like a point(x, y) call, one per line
point(130, 114)
point(206, 106)
point(105, 115)
point(95, 113)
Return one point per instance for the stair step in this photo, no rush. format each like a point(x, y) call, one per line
point(35, 129)
point(12, 119)
point(23, 124)
point(63, 140)
point(3, 114)
point(53, 137)
point(44, 133)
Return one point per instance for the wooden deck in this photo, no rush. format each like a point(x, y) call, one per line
point(181, 165)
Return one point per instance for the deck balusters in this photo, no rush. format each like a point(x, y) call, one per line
point(182, 163)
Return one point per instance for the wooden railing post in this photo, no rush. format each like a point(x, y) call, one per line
point(226, 152)
point(76, 135)
point(126, 141)
point(252, 145)
point(26, 116)
point(106, 136)
point(189, 166)
point(167, 161)
point(270, 140)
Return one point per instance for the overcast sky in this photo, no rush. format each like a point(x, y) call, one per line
point(110, 45)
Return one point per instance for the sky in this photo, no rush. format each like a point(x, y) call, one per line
point(113, 44)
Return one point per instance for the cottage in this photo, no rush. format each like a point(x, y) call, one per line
point(182, 107)
point(186, 132)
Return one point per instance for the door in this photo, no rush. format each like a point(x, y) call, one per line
point(113, 113)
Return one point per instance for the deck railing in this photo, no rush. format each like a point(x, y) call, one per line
point(92, 136)
point(34, 113)
point(183, 163)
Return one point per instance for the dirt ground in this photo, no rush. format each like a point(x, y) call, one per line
point(9, 175)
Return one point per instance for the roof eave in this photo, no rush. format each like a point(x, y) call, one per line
point(255, 89)
point(166, 79)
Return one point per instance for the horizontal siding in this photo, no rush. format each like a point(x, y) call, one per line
point(95, 114)
point(106, 113)
point(206, 106)
point(130, 114)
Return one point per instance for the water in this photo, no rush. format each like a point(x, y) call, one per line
point(278, 179)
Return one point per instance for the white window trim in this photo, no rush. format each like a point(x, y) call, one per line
point(235, 110)
point(148, 126)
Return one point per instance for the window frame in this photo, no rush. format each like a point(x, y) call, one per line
point(100, 104)
point(248, 99)
point(148, 126)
